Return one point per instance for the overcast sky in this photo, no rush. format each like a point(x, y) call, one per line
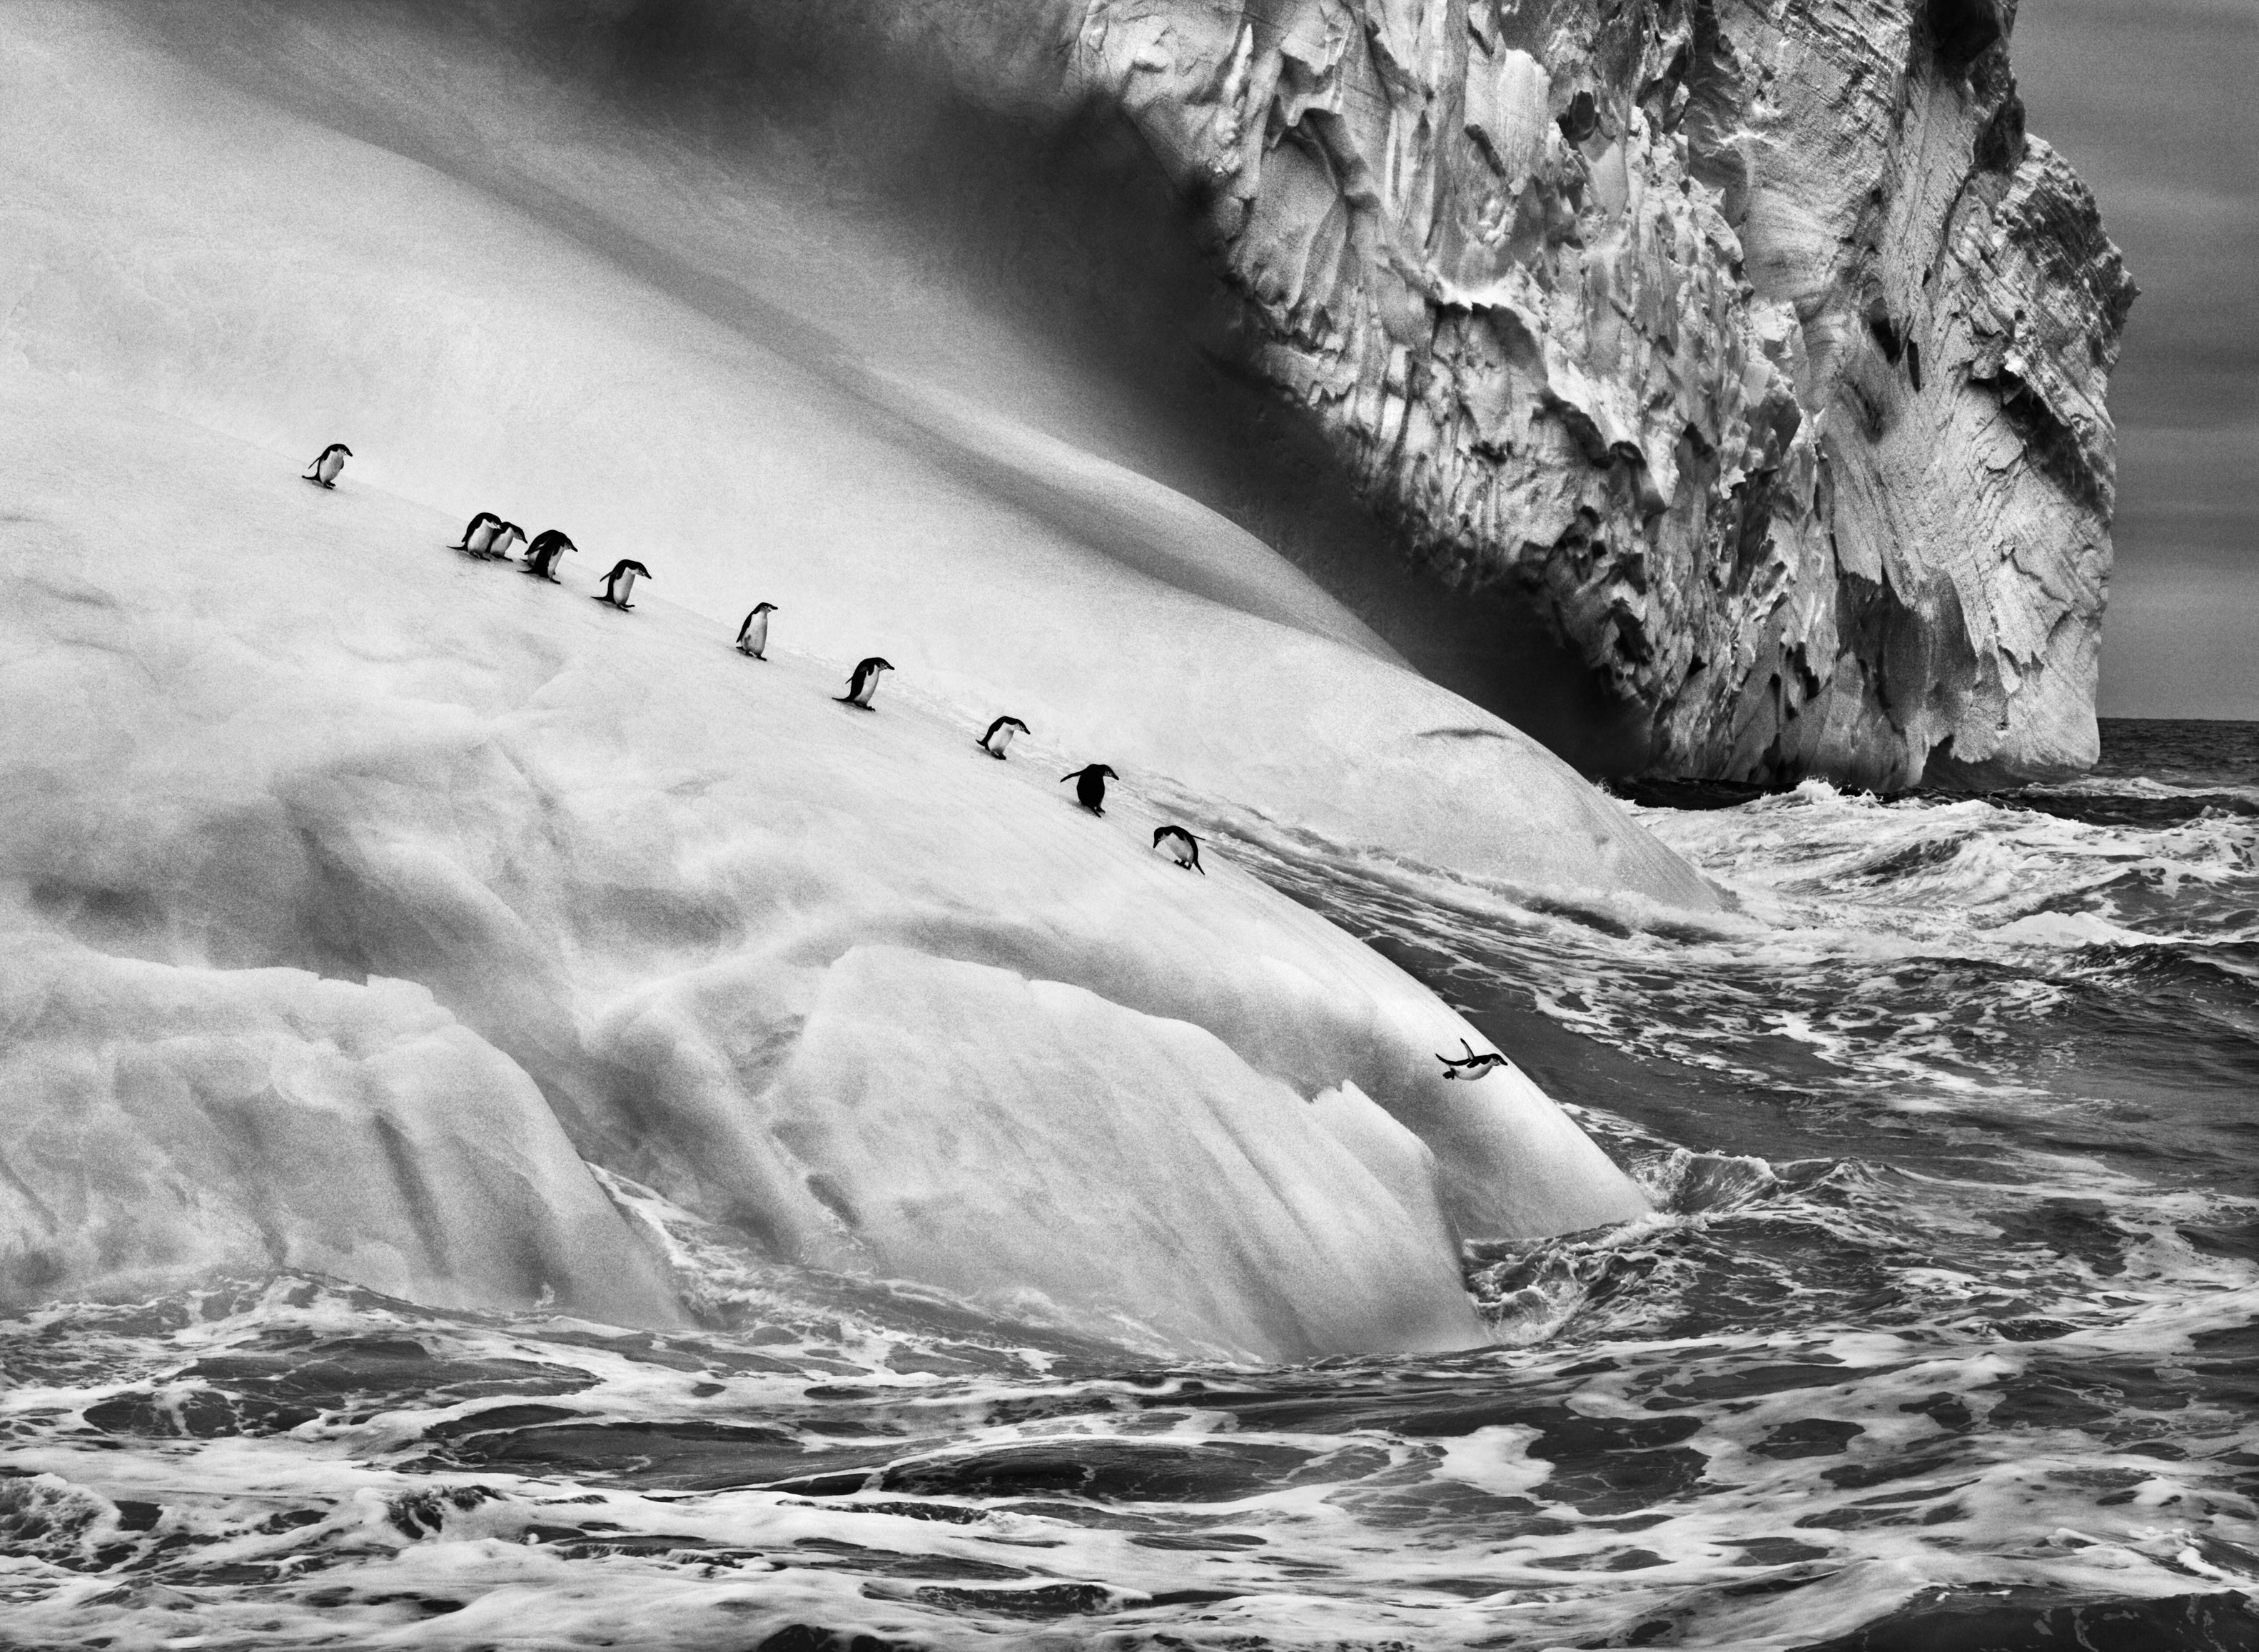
point(2150, 101)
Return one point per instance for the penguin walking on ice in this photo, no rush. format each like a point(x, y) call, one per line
point(1183, 847)
point(1470, 1066)
point(863, 684)
point(619, 584)
point(1090, 785)
point(498, 547)
point(541, 555)
point(478, 538)
point(753, 635)
point(323, 472)
point(999, 736)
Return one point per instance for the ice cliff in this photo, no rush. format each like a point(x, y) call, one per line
point(1755, 340)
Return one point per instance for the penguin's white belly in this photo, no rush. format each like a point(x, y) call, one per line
point(330, 464)
point(870, 687)
point(482, 540)
point(1180, 853)
point(757, 635)
point(627, 587)
point(1003, 741)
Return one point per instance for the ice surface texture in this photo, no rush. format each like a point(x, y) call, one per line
point(838, 980)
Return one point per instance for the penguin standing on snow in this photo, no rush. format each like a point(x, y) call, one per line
point(541, 555)
point(1183, 847)
point(1472, 1065)
point(478, 538)
point(324, 471)
point(999, 736)
point(863, 684)
point(619, 584)
point(753, 635)
point(1090, 785)
point(498, 547)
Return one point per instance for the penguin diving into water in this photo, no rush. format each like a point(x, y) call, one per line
point(478, 538)
point(863, 684)
point(324, 471)
point(753, 635)
point(1183, 847)
point(541, 555)
point(619, 584)
point(999, 736)
point(1472, 1065)
point(1090, 785)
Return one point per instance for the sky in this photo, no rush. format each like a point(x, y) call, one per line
point(2148, 99)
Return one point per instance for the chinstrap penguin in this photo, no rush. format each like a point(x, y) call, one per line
point(753, 635)
point(1183, 847)
point(478, 537)
point(619, 584)
point(541, 555)
point(863, 684)
point(1090, 785)
point(498, 548)
point(1470, 1066)
point(999, 736)
point(332, 459)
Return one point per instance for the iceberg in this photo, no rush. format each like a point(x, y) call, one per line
point(363, 902)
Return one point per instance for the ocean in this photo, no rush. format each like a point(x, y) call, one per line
point(1942, 1336)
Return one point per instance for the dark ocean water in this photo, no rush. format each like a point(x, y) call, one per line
point(1942, 1335)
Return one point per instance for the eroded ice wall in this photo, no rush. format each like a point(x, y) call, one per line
point(1758, 343)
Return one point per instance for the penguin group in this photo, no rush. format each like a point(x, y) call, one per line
point(487, 538)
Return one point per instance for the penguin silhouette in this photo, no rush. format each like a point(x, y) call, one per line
point(753, 635)
point(541, 555)
point(1182, 847)
point(332, 459)
point(1470, 1066)
point(999, 736)
point(1090, 785)
point(477, 535)
point(619, 584)
point(864, 685)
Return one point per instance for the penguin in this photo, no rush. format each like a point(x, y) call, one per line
point(478, 538)
point(619, 584)
point(999, 736)
point(863, 687)
point(324, 471)
point(1090, 785)
point(498, 548)
point(1472, 1065)
point(753, 635)
point(541, 555)
point(1181, 845)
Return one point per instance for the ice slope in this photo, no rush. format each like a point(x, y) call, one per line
point(348, 880)
point(387, 226)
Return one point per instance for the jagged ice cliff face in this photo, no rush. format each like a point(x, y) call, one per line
point(1756, 343)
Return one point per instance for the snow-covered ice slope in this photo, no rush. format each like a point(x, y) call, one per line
point(386, 225)
point(357, 892)
point(359, 898)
